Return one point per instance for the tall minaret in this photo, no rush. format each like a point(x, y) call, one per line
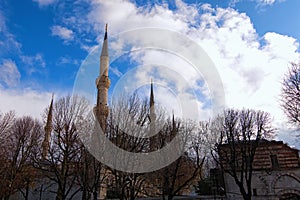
point(48, 129)
point(102, 82)
point(152, 116)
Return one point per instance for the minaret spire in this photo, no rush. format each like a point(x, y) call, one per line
point(151, 96)
point(152, 107)
point(152, 116)
point(173, 124)
point(101, 109)
point(105, 35)
point(48, 129)
point(104, 51)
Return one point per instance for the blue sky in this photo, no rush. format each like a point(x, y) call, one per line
point(44, 42)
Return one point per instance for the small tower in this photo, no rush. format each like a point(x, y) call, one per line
point(152, 116)
point(101, 109)
point(48, 129)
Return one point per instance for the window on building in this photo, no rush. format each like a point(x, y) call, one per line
point(274, 161)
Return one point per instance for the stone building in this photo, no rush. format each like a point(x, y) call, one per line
point(276, 173)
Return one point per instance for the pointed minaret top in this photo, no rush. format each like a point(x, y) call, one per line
point(173, 123)
point(49, 118)
point(105, 35)
point(173, 118)
point(151, 95)
point(105, 45)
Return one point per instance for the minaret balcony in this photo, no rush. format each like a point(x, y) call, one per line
point(103, 82)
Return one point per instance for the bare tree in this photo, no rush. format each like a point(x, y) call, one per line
point(240, 133)
point(290, 94)
point(6, 122)
point(62, 165)
point(179, 176)
point(128, 120)
point(22, 141)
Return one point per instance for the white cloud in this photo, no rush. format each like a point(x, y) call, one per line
point(116, 71)
point(33, 64)
point(268, 2)
point(251, 72)
point(9, 73)
point(124, 15)
point(36, 60)
point(43, 3)
point(65, 60)
point(259, 2)
point(22, 102)
point(62, 32)
point(27, 101)
point(8, 42)
point(280, 46)
point(33, 60)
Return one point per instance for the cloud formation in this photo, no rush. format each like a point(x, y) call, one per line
point(23, 101)
point(62, 32)
point(259, 2)
point(11, 49)
point(251, 66)
point(10, 75)
point(8, 41)
point(43, 3)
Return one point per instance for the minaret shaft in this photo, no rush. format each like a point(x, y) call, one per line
point(102, 82)
point(152, 116)
point(48, 129)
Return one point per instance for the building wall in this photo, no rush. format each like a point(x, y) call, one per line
point(276, 173)
point(45, 190)
point(269, 185)
point(287, 157)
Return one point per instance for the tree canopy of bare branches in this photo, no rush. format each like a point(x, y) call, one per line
point(182, 173)
point(290, 94)
point(128, 121)
point(6, 122)
point(21, 143)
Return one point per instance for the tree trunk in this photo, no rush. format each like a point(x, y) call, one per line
point(60, 194)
